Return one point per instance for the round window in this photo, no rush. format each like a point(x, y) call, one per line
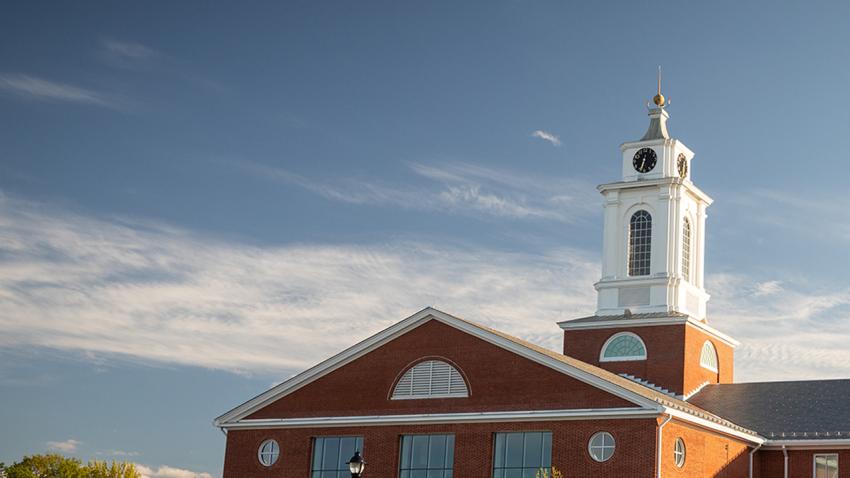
point(268, 453)
point(679, 452)
point(601, 446)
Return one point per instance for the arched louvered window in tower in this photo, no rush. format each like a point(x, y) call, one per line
point(708, 356)
point(430, 379)
point(686, 249)
point(640, 243)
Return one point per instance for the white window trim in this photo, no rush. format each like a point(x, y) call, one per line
point(716, 356)
point(684, 455)
point(632, 358)
point(602, 447)
point(815, 462)
point(275, 455)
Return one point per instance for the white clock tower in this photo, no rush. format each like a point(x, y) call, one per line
point(654, 233)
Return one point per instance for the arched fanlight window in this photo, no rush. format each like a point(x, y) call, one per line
point(622, 347)
point(430, 379)
point(708, 356)
point(686, 249)
point(640, 243)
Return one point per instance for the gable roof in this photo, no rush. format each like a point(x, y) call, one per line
point(799, 410)
point(644, 397)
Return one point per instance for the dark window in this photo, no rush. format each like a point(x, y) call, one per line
point(640, 243)
point(522, 455)
point(427, 456)
point(330, 455)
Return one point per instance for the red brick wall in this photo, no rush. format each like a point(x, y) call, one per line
point(696, 375)
point(634, 456)
point(800, 462)
point(673, 353)
point(498, 380)
point(707, 454)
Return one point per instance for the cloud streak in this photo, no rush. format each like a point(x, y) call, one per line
point(155, 293)
point(30, 87)
point(67, 446)
point(547, 136)
point(166, 471)
point(458, 189)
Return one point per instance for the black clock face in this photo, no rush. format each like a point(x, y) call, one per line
point(644, 160)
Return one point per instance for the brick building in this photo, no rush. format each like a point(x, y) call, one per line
point(644, 387)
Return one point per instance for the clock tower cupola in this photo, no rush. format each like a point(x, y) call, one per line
point(654, 230)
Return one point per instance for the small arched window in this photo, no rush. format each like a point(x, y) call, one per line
point(686, 249)
point(679, 452)
point(622, 347)
point(430, 379)
point(640, 243)
point(708, 356)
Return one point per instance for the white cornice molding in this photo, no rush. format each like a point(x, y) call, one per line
point(823, 444)
point(665, 181)
point(447, 418)
point(623, 323)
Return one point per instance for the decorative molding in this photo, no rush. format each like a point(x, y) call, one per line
point(440, 418)
point(616, 323)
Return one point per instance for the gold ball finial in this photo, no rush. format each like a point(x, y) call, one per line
point(659, 99)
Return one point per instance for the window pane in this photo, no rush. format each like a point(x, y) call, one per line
point(437, 452)
point(513, 453)
point(331, 455)
point(499, 460)
point(419, 457)
point(450, 451)
point(533, 449)
point(406, 444)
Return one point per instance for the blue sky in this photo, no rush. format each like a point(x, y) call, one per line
point(197, 200)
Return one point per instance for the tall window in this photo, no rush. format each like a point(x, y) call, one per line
point(330, 455)
point(826, 466)
point(520, 455)
point(640, 243)
point(430, 379)
point(686, 249)
point(427, 456)
point(623, 346)
point(708, 356)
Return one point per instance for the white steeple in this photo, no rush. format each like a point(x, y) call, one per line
point(654, 232)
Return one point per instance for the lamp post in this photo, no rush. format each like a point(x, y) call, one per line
point(356, 465)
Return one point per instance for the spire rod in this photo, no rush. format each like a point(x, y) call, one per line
point(659, 99)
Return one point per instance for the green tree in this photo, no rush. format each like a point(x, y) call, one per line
point(101, 469)
point(58, 466)
point(46, 466)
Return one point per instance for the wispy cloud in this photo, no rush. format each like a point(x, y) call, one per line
point(166, 471)
point(67, 446)
point(457, 188)
point(547, 136)
point(135, 51)
point(158, 293)
point(797, 331)
point(153, 292)
point(31, 87)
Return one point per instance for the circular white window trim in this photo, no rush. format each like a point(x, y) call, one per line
point(603, 358)
point(679, 452)
point(268, 453)
point(601, 446)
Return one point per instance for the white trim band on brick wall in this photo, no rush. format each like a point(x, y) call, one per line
point(620, 323)
point(824, 444)
point(420, 419)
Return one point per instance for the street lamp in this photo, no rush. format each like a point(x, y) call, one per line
point(356, 465)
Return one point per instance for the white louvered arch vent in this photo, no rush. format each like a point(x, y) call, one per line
point(430, 379)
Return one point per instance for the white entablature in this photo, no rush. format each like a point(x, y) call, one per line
point(654, 231)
